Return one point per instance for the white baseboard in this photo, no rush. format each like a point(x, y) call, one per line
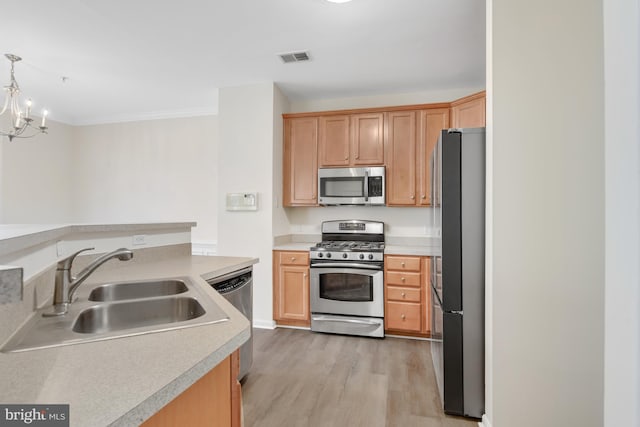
point(485, 421)
point(204, 248)
point(264, 324)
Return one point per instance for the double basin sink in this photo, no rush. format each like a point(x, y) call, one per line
point(120, 309)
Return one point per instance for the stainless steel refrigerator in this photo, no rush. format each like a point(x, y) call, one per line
point(457, 278)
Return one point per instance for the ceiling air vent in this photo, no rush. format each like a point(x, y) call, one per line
point(294, 57)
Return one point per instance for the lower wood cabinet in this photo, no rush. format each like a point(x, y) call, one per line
point(407, 296)
point(291, 288)
point(215, 400)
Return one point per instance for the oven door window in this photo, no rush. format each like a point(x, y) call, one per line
point(342, 187)
point(346, 287)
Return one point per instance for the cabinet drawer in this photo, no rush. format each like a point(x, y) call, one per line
point(400, 278)
point(293, 258)
point(402, 263)
point(403, 294)
point(403, 316)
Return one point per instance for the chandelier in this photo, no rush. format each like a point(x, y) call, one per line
point(21, 123)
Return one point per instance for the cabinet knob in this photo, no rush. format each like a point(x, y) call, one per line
point(403, 295)
point(402, 316)
point(346, 158)
point(357, 157)
point(413, 197)
point(293, 258)
point(402, 278)
point(402, 264)
point(423, 196)
point(304, 275)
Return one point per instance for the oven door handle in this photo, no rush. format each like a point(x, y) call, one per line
point(357, 322)
point(346, 265)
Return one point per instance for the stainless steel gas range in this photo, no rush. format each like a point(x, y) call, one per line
point(347, 279)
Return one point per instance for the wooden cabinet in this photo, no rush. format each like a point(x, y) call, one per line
point(367, 141)
point(407, 300)
point(469, 112)
point(291, 288)
point(335, 137)
point(300, 165)
point(409, 138)
point(430, 125)
point(212, 401)
point(351, 140)
point(400, 140)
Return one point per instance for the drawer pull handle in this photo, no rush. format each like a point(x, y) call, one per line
point(402, 316)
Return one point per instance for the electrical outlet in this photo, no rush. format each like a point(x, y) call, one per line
point(140, 239)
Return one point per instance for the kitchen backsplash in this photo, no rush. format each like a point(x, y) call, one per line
point(408, 221)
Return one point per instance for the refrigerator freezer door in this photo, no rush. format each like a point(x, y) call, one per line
point(453, 364)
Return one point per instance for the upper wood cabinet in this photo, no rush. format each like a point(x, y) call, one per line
point(351, 140)
point(469, 112)
point(400, 134)
point(335, 139)
point(430, 126)
point(410, 138)
point(300, 166)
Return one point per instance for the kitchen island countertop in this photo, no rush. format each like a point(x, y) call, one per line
point(124, 381)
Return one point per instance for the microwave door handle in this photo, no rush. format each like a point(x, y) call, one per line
point(366, 186)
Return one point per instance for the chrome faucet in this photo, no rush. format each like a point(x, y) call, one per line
point(66, 284)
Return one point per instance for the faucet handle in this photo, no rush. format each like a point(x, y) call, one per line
point(65, 264)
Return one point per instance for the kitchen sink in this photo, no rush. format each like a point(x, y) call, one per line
point(135, 314)
point(120, 310)
point(136, 290)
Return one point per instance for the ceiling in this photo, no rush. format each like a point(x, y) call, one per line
point(135, 59)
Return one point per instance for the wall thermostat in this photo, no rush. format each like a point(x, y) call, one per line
point(242, 201)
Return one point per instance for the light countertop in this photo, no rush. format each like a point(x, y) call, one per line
point(123, 381)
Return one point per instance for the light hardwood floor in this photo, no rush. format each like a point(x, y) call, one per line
point(302, 378)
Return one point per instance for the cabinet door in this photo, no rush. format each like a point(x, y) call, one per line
point(470, 113)
point(334, 140)
point(431, 124)
point(300, 168)
point(401, 158)
point(293, 295)
point(367, 143)
point(426, 295)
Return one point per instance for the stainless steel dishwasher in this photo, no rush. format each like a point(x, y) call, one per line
point(237, 288)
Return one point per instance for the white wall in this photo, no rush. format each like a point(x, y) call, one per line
point(398, 221)
point(386, 100)
point(35, 177)
point(155, 170)
point(622, 154)
point(245, 159)
point(280, 219)
point(547, 288)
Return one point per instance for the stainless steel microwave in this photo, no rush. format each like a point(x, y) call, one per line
point(351, 186)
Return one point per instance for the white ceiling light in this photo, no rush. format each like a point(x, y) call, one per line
point(20, 121)
point(339, 1)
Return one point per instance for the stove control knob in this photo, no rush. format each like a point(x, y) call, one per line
point(329, 255)
point(370, 256)
point(361, 256)
point(320, 255)
point(344, 255)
